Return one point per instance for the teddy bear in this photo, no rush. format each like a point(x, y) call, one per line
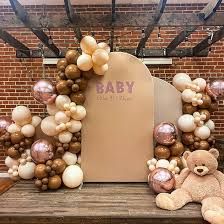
point(200, 182)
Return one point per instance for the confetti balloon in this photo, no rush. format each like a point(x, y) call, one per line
point(41, 151)
point(5, 122)
point(215, 89)
point(161, 180)
point(165, 133)
point(44, 91)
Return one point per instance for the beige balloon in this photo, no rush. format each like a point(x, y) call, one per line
point(61, 100)
point(75, 126)
point(21, 115)
point(52, 109)
point(61, 117)
point(88, 44)
point(70, 158)
point(48, 126)
point(13, 128)
point(180, 81)
point(28, 130)
point(202, 132)
point(10, 162)
point(100, 57)
point(65, 137)
point(105, 46)
point(84, 62)
point(36, 121)
point(100, 70)
point(80, 113)
point(26, 171)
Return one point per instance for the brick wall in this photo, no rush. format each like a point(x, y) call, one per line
point(18, 75)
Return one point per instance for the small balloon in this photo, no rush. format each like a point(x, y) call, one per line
point(21, 115)
point(100, 70)
point(35, 121)
point(12, 128)
point(84, 62)
point(48, 126)
point(62, 64)
point(186, 123)
point(26, 171)
point(100, 57)
point(28, 130)
point(88, 44)
point(105, 46)
point(54, 182)
point(71, 56)
point(61, 100)
point(215, 89)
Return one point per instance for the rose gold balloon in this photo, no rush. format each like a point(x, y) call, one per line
point(44, 91)
point(161, 180)
point(41, 151)
point(215, 89)
point(5, 121)
point(165, 133)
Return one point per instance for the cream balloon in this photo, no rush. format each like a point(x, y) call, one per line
point(202, 132)
point(65, 137)
point(21, 115)
point(61, 117)
point(80, 113)
point(100, 70)
point(13, 128)
point(69, 158)
point(75, 126)
point(180, 81)
point(28, 130)
point(84, 62)
point(186, 123)
point(36, 121)
point(26, 171)
point(10, 162)
point(201, 83)
point(52, 109)
point(88, 44)
point(72, 176)
point(48, 126)
point(187, 95)
point(105, 46)
point(100, 57)
point(162, 163)
point(210, 124)
point(61, 100)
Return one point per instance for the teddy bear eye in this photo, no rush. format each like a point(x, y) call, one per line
point(203, 164)
point(195, 165)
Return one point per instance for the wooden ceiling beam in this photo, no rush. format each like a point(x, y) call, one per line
point(25, 18)
point(206, 13)
point(73, 19)
point(150, 26)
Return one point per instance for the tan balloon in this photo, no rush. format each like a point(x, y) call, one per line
point(100, 57)
point(88, 44)
point(36, 121)
point(84, 62)
point(10, 162)
point(13, 128)
point(21, 115)
point(100, 70)
point(105, 46)
point(202, 132)
point(61, 100)
point(26, 171)
point(70, 158)
point(52, 109)
point(61, 117)
point(48, 126)
point(28, 130)
point(75, 126)
point(65, 137)
point(80, 113)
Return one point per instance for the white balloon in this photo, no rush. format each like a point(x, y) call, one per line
point(48, 126)
point(36, 121)
point(202, 132)
point(10, 162)
point(100, 70)
point(61, 100)
point(21, 115)
point(69, 158)
point(100, 57)
point(12, 128)
point(28, 130)
point(105, 46)
point(180, 80)
point(162, 163)
point(65, 137)
point(72, 176)
point(26, 171)
point(210, 124)
point(84, 62)
point(61, 117)
point(52, 109)
point(88, 44)
point(75, 126)
point(186, 123)
point(187, 95)
point(80, 113)
point(201, 83)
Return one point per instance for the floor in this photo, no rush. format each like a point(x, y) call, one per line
point(5, 184)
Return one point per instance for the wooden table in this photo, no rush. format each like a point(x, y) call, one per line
point(94, 203)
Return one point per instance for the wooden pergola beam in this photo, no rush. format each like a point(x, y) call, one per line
point(206, 13)
point(113, 18)
point(24, 17)
point(150, 27)
point(204, 44)
point(12, 41)
point(72, 19)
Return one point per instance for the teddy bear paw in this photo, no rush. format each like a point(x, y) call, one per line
point(164, 201)
point(214, 217)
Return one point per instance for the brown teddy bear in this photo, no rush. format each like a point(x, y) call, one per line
point(200, 182)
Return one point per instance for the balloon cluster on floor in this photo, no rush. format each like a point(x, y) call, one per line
point(199, 101)
point(55, 159)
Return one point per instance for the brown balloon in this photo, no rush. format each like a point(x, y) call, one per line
point(88, 74)
point(214, 106)
point(70, 82)
point(206, 113)
point(59, 165)
point(62, 88)
point(187, 138)
point(40, 171)
point(177, 149)
point(72, 72)
point(72, 56)
point(162, 152)
point(188, 108)
point(78, 98)
point(204, 145)
point(17, 137)
point(62, 76)
point(75, 87)
point(54, 182)
point(62, 64)
point(75, 147)
point(28, 141)
point(38, 183)
point(82, 83)
point(13, 153)
point(178, 160)
point(206, 101)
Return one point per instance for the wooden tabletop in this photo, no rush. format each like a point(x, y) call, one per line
point(94, 203)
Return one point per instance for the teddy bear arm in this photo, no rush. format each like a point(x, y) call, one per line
point(220, 177)
point(182, 177)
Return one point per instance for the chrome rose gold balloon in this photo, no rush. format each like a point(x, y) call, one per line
point(165, 133)
point(5, 121)
point(44, 91)
point(161, 180)
point(215, 89)
point(41, 151)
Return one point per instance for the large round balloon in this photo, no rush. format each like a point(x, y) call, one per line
point(84, 62)
point(88, 44)
point(44, 91)
point(215, 89)
point(100, 57)
point(41, 151)
point(61, 100)
point(165, 133)
point(26, 171)
point(181, 80)
point(186, 123)
point(48, 126)
point(21, 115)
point(5, 122)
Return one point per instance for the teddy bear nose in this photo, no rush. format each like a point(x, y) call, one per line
point(200, 170)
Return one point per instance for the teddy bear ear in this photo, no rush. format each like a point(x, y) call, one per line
point(214, 152)
point(186, 154)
